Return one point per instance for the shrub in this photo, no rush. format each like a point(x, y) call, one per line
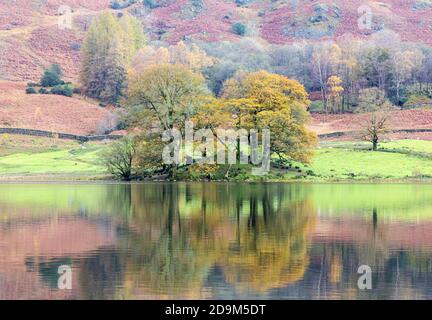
point(63, 90)
point(43, 91)
point(52, 76)
point(198, 4)
point(119, 158)
point(32, 84)
point(151, 4)
point(115, 5)
point(317, 106)
point(108, 124)
point(121, 4)
point(77, 90)
point(30, 90)
point(239, 29)
point(372, 100)
point(75, 46)
point(415, 101)
point(310, 173)
point(242, 2)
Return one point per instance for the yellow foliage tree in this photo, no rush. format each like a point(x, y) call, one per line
point(335, 91)
point(191, 57)
point(263, 100)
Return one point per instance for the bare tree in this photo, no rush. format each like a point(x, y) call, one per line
point(325, 59)
point(375, 127)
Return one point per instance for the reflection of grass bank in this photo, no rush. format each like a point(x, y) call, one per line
point(392, 201)
point(124, 201)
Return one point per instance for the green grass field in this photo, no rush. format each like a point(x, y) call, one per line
point(397, 160)
point(26, 157)
point(45, 157)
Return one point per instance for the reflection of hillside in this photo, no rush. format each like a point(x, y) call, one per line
point(25, 247)
point(390, 235)
point(214, 240)
point(397, 251)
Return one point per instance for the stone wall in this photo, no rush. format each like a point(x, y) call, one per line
point(48, 134)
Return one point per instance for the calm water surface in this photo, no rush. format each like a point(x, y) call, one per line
point(215, 241)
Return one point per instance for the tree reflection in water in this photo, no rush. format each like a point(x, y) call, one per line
point(256, 234)
point(216, 240)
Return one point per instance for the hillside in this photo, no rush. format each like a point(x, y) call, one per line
point(399, 120)
point(48, 112)
point(30, 38)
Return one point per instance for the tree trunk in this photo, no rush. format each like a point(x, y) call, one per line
point(375, 144)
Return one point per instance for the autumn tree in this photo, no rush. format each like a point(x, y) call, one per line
point(161, 98)
point(192, 57)
point(376, 66)
point(107, 50)
point(325, 60)
point(371, 100)
point(404, 63)
point(167, 94)
point(349, 70)
point(262, 100)
point(335, 91)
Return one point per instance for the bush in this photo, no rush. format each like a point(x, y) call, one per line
point(75, 46)
point(242, 2)
point(119, 158)
point(151, 4)
point(77, 90)
point(32, 84)
point(121, 4)
point(52, 76)
point(239, 29)
point(30, 90)
point(198, 4)
point(317, 106)
point(416, 101)
point(115, 5)
point(63, 90)
point(43, 91)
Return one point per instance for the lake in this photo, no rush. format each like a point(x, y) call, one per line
point(215, 241)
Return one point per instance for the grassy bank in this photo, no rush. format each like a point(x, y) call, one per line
point(27, 158)
point(396, 160)
point(30, 158)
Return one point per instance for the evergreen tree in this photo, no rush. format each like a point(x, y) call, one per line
point(52, 76)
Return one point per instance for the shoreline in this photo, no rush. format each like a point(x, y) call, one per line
point(52, 179)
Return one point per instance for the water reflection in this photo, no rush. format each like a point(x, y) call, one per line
point(215, 240)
